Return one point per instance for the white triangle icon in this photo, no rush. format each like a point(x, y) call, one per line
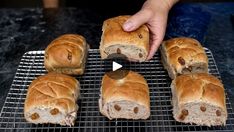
point(116, 66)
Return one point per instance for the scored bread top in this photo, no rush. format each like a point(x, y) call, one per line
point(133, 87)
point(114, 34)
point(66, 51)
point(199, 87)
point(184, 51)
point(53, 90)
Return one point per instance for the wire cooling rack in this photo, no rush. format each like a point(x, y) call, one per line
point(89, 118)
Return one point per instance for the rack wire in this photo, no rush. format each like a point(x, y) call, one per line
point(89, 118)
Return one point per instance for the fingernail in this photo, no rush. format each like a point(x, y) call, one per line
point(128, 26)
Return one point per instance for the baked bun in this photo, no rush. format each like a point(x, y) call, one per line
point(126, 98)
point(183, 56)
point(51, 98)
point(66, 54)
point(199, 98)
point(134, 45)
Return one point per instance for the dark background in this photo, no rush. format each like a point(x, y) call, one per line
point(88, 3)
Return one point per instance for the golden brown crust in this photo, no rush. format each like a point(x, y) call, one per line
point(181, 52)
point(66, 54)
point(114, 34)
point(53, 90)
point(200, 87)
point(132, 87)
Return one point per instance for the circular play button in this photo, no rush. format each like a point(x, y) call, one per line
point(116, 66)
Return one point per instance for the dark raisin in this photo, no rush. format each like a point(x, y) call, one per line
point(185, 112)
point(69, 56)
point(35, 116)
point(140, 36)
point(54, 111)
point(203, 108)
point(136, 110)
point(218, 112)
point(117, 107)
point(118, 51)
point(181, 61)
point(140, 55)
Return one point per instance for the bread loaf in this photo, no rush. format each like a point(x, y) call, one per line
point(134, 45)
point(51, 98)
point(66, 54)
point(183, 56)
point(126, 98)
point(199, 98)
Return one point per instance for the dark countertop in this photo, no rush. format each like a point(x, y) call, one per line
point(27, 29)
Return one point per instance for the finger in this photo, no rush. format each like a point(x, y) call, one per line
point(154, 47)
point(137, 20)
point(156, 37)
point(157, 31)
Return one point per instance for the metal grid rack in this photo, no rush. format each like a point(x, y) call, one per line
point(89, 118)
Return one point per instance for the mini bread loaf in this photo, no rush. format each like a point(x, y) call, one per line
point(134, 45)
point(183, 56)
point(51, 98)
point(66, 54)
point(126, 98)
point(199, 98)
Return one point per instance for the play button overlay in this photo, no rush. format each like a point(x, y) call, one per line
point(118, 74)
point(116, 66)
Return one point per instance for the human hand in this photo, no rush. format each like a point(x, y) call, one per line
point(154, 14)
point(50, 3)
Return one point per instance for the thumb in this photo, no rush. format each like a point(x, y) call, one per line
point(137, 20)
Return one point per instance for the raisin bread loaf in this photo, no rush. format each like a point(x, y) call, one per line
point(66, 54)
point(51, 98)
point(183, 56)
point(126, 98)
point(199, 98)
point(134, 45)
